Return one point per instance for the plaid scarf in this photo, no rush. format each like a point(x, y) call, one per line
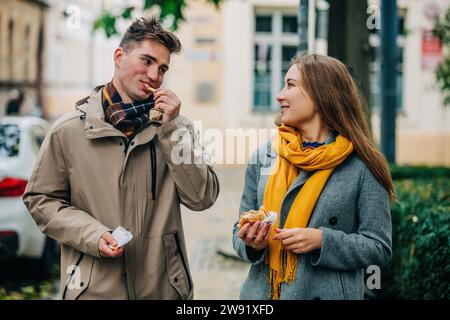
point(130, 118)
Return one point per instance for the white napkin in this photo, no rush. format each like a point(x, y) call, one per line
point(122, 236)
point(271, 219)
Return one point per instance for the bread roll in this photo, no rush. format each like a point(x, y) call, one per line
point(253, 216)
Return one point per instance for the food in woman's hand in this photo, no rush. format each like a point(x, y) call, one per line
point(253, 216)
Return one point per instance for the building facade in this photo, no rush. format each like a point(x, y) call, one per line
point(231, 67)
point(21, 49)
point(259, 37)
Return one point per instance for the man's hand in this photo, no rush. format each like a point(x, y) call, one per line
point(168, 102)
point(299, 240)
point(104, 249)
point(257, 239)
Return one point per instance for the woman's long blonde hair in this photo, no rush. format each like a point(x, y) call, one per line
point(337, 100)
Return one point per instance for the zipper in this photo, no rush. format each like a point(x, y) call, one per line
point(137, 286)
point(180, 252)
point(153, 164)
point(71, 275)
point(128, 261)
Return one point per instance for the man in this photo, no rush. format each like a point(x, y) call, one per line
point(103, 166)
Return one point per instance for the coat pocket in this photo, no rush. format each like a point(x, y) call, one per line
point(176, 264)
point(79, 277)
point(341, 282)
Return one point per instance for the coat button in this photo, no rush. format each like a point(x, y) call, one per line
point(333, 221)
point(81, 284)
point(121, 143)
point(176, 279)
point(132, 143)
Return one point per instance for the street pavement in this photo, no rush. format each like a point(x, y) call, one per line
point(215, 269)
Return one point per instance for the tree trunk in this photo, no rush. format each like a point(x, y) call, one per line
point(348, 41)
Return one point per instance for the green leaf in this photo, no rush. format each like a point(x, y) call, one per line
point(148, 4)
point(168, 9)
point(420, 264)
point(441, 29)
point(126, 14)
point(107, 22)
point(215, 2)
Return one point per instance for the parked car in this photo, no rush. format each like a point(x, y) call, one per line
point(20, 140)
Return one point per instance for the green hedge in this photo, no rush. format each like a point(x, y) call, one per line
point(419, 172)
point(420, 267)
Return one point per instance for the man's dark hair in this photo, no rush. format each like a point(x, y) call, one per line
point(149, 29)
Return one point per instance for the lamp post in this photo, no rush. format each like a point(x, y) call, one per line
point(388, 77)
point(303, 26)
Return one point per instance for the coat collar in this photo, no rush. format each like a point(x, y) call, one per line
point(95, 125)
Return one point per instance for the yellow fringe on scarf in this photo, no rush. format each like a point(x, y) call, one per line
point(292, 158)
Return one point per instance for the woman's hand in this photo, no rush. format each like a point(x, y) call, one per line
point(299, 240)
point(252, 237)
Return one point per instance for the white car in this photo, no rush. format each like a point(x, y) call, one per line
point(20, 140)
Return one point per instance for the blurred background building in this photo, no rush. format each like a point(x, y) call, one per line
point(232, 65)
point(49, 50)
point(260, 38)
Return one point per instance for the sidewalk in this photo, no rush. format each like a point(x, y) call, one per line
point(209, 235)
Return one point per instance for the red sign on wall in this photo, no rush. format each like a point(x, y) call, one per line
point(431, 50)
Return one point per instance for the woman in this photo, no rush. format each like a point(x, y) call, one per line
point(328, 183)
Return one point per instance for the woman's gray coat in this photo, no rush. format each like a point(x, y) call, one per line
point(353, 213)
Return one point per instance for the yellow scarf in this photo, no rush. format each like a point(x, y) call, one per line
point(291, 158)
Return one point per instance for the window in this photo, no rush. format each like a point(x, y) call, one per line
point(204, 91)
point(263, 24)
point(287, 53)
point(275, 45)
point(9, 140)
point(205, 40)
point(290, 24)
point(262, 77)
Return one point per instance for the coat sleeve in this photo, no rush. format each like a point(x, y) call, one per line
point(47, 197)
point(249, 201)
point(371, 244)
point(190, 166)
